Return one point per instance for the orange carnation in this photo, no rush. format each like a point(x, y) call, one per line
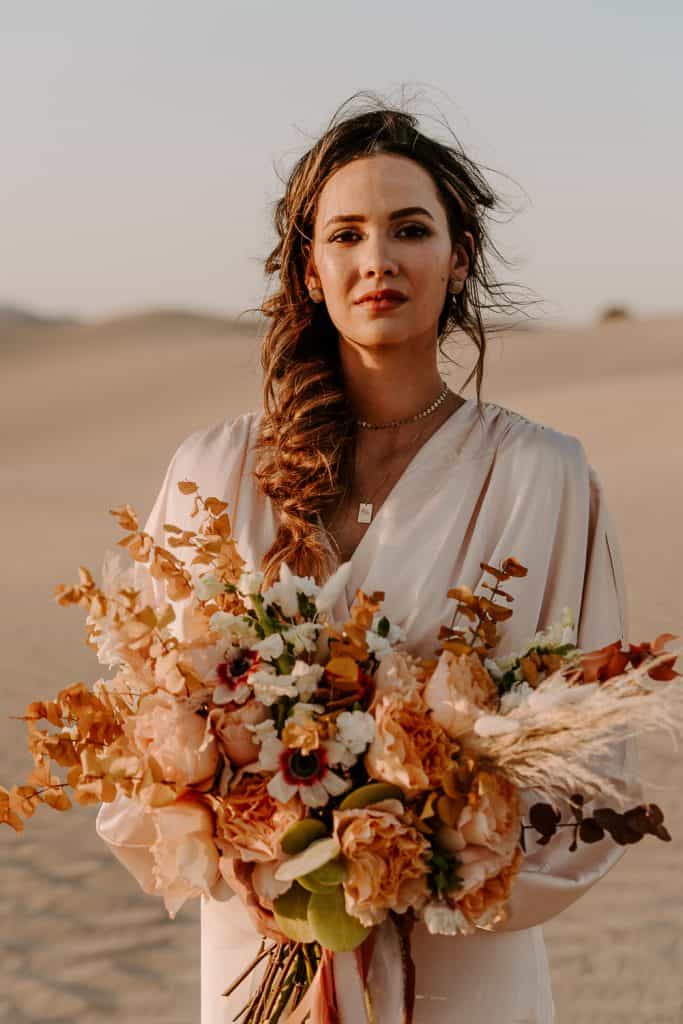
point(250, 822)
point(409, 749)
point(387, 862)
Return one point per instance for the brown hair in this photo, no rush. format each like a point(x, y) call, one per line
point(306, 445)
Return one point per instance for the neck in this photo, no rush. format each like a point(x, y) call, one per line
point(389, 382)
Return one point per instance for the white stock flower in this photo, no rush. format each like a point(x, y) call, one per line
point(284, 591)
point(270, 648)
point(440, 919)
point(234, 627)
point(268, 686)
point(355, 730)
point(380, 645)
point(306, 678)
point(250, 583)
point(302, 637)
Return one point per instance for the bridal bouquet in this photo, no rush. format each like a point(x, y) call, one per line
point(343, 787)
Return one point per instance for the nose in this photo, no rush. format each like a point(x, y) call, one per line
point(377, 260)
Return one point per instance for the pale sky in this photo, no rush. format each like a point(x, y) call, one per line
point(140, 140)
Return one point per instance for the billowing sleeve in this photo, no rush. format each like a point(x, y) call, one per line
point(123, 824)
point(213, 458)
point(552, 877)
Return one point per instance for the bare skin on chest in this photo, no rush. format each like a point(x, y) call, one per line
point(380, 464)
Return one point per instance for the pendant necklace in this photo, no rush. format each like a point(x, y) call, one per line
point(365, 507)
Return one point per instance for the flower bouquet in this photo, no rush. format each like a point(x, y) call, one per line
point(343, 787)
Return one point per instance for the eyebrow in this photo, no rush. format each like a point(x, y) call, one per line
point(407, 211)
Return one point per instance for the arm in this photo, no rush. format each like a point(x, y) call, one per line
point(552, 878)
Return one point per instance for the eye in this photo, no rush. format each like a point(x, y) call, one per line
point(416, 231)
point(342, 235)
point(420, 228)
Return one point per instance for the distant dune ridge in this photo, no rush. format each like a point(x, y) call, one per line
point(91, 413)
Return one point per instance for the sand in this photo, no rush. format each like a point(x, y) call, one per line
point(91, 416)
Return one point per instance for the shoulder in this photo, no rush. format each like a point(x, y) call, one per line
point(213, 457)
point(536, 446)
point(221, 442)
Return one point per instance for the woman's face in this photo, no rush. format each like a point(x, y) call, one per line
point(380, 223)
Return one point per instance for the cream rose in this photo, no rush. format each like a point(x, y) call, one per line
point(459, 691)
point(184, 852)
point(178, 739)
point(408, 749)
point(387, 863)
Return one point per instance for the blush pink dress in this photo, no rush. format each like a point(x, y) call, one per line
point(475, 492)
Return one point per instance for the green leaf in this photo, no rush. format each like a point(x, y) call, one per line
point(372, 793)
point(291, 913)
point(301, 834)
point(325, 877)
point(332, 925)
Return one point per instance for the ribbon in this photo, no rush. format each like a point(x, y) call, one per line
point(374, 984)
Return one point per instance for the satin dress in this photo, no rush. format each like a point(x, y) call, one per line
point(476, 491)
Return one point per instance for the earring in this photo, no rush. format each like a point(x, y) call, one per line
point(316, 294)
point(455, 286)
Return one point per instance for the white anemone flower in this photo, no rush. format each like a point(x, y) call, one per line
point(308, 775)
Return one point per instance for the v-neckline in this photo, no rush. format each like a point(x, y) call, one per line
point(412, 465)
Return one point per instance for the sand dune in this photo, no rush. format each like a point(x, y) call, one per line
point(92, 414)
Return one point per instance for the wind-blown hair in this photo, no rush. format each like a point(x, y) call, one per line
point(306, 445)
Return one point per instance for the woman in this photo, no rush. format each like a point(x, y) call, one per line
point(363, 454)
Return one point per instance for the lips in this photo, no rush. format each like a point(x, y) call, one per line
point(384, 295)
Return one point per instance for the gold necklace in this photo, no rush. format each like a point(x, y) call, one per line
point(365, 506)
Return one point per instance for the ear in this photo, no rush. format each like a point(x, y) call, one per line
point(311, 278)
point(463, 254)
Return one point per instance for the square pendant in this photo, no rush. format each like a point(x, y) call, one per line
point(364, 512)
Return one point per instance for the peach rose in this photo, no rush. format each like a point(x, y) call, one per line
point(184, 852)
point(176, 737)
point(459, 690)
point(230, 729)
point(485, 905)
point(250, 822)
point(490, 819)
point(408, 749)
point(387, 863)
point(493, 814)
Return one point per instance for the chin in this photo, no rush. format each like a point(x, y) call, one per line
point(382, 333)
